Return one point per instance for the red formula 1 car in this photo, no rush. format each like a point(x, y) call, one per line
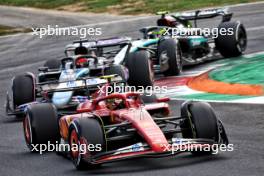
point(120, 126)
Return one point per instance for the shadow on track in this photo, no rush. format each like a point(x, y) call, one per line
point(147, 164)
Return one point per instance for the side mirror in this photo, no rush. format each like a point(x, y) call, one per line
point(43, 69)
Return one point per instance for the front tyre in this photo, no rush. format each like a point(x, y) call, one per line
point(40, 125)
point(140, 69)
point(23, 87)
point(85, 132)
point(201, 122)
point(169, 55)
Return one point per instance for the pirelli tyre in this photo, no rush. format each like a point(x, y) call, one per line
point(232, 43)
point(169, 55)
point(201, 122)
point(118, 70)
point(86, 132)
point(52, 64)
point(41, 126)
point(148, 98)
point(140, 69)
point(23, 88)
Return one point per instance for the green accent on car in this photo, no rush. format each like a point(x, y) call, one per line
point(212, 96)
point(162, 12)
point(145, 43)
point(242, 70)
point(197, 41)
point(160, 32)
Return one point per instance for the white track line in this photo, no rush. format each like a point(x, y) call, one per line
point(246, 4)
point(255, 28)
point(241, 101)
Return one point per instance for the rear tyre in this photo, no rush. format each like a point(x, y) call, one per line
point(23, 89)
point(117, 69)
point(149, 98)
point(231, 45)
point(85, 132)
point(52, 64)
point(169, 55)
point(41, 125)
point(201, 122)
point(140, 69)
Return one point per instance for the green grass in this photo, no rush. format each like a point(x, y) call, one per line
point(243, 71)
point(5, 30)
point(212, 96)
point(38, 3)
point(123, 6)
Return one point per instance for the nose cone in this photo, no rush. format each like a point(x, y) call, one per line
point(60, 99)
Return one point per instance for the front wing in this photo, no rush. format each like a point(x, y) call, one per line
point(176, 146)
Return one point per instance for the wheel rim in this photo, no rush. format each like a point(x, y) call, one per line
point(178, 59)
point(74, 141)
point(164, 57)
point(27, 130)
point(242, 40)
point(164, 61)
point(151, 73)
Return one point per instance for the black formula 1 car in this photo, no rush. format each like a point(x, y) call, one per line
point(64, 85)
point(190, 44)
point(121, 52)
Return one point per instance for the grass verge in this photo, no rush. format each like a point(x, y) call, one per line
point(122, 6)
point(5, 30)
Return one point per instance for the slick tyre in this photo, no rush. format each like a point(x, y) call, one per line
point(149, 98)
point(41, 125)
point(23, 88)
point(53, 64)
point(231, 45)
point(169, 55)
point(85, 132)
point(118, 70)
point(201, 122)
point(140, 69)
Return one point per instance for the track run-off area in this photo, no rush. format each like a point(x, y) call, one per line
point(237, 80)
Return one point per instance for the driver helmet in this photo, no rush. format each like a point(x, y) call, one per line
point(82, 62)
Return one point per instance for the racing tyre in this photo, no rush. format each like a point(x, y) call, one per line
point(201, 122)
point(146, 98)
point(85, 132)
point(52, 64)
point(169, 55)
point(41, 125)
point(231, 45)
point(140, 69)
point(117, 69)
point(23, 89)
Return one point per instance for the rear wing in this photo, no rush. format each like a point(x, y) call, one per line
point(185, 17)
point(97, 44)
point(204, 14)
point(79, 84)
